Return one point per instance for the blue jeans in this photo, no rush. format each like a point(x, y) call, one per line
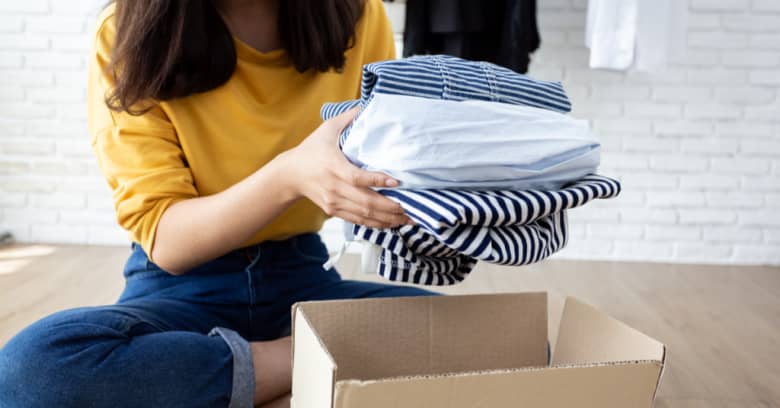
point(174, 341)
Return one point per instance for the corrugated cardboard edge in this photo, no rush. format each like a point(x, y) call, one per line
point(588, 335)
point(449, 390)
point(299, 317)
point(661, 374)
point(499, 371)
point(603, 330)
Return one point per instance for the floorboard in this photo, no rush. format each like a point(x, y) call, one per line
point(721, 324)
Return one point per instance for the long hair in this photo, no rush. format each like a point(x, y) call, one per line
point(166, 49)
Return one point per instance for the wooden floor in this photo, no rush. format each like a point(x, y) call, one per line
point(721, 324)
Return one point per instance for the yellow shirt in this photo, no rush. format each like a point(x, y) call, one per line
point(204, 143)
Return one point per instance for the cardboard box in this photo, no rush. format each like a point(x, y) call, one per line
point(467, 351)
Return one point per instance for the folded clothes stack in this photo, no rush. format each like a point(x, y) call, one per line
point(487, 158)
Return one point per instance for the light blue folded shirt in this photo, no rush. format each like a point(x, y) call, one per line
point(430, 143)
point(443, 122)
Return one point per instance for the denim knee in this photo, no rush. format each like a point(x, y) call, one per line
point(119, 356)
point(27, 359)
point(43, 365)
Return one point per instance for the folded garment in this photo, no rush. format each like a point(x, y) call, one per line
point(483, 155)
point(455, 228)
point(431, 143)
point(448, 77)
point(451, 78)
point(444, 122)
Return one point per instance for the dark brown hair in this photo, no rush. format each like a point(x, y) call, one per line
point(167, 49)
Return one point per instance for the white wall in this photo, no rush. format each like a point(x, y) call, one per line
point(50, 187)
point(697, 146)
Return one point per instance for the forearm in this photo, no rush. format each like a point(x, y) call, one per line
point(197, 230)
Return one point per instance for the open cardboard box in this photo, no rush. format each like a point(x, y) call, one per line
point(467, 351)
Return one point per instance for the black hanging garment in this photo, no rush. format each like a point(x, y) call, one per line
point(500, 31)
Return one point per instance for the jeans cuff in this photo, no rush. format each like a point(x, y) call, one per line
point(243, 391)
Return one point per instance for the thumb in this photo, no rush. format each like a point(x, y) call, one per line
point(343, 120)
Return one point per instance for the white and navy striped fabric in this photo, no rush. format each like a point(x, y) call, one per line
point(452, 78)
point(456, 228)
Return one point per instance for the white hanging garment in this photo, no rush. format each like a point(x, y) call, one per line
point(640, 33)
point(610, 33)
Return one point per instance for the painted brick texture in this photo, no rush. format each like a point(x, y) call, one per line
point(696, 145)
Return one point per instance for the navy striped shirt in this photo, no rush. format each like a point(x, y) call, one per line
point(455, 228)
point(452, 78)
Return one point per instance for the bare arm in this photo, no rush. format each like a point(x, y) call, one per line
point(196, 230)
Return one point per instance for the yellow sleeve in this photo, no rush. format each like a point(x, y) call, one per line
point(379, 33)
point(139, 156)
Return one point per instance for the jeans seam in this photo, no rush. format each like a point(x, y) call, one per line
point(140, 320)
point(146, 274)
point(131, 320)
point(251, 291)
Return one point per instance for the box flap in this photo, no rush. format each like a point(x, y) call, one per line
point(390, 337)
point(313, 368)
point(599, 386)
point(587, 335)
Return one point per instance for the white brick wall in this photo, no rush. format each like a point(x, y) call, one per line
point(697, 146)
point(50, 187)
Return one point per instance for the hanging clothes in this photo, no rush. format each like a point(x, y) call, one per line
point(610, 33)
point(500, 31)
point(641, 33)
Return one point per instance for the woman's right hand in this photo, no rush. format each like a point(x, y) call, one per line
point(317, 169)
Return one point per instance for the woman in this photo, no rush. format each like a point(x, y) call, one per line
point(204, 119)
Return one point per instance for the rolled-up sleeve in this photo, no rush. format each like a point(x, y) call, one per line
point(139, 156)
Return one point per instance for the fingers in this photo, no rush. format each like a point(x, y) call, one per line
point(346, 170)
point(358, 220)
point(355, 176)
point(344, 119)
point(365, 207)
point(371, 201)
point(361, 220)
point(363, 178)
point(367, 214)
